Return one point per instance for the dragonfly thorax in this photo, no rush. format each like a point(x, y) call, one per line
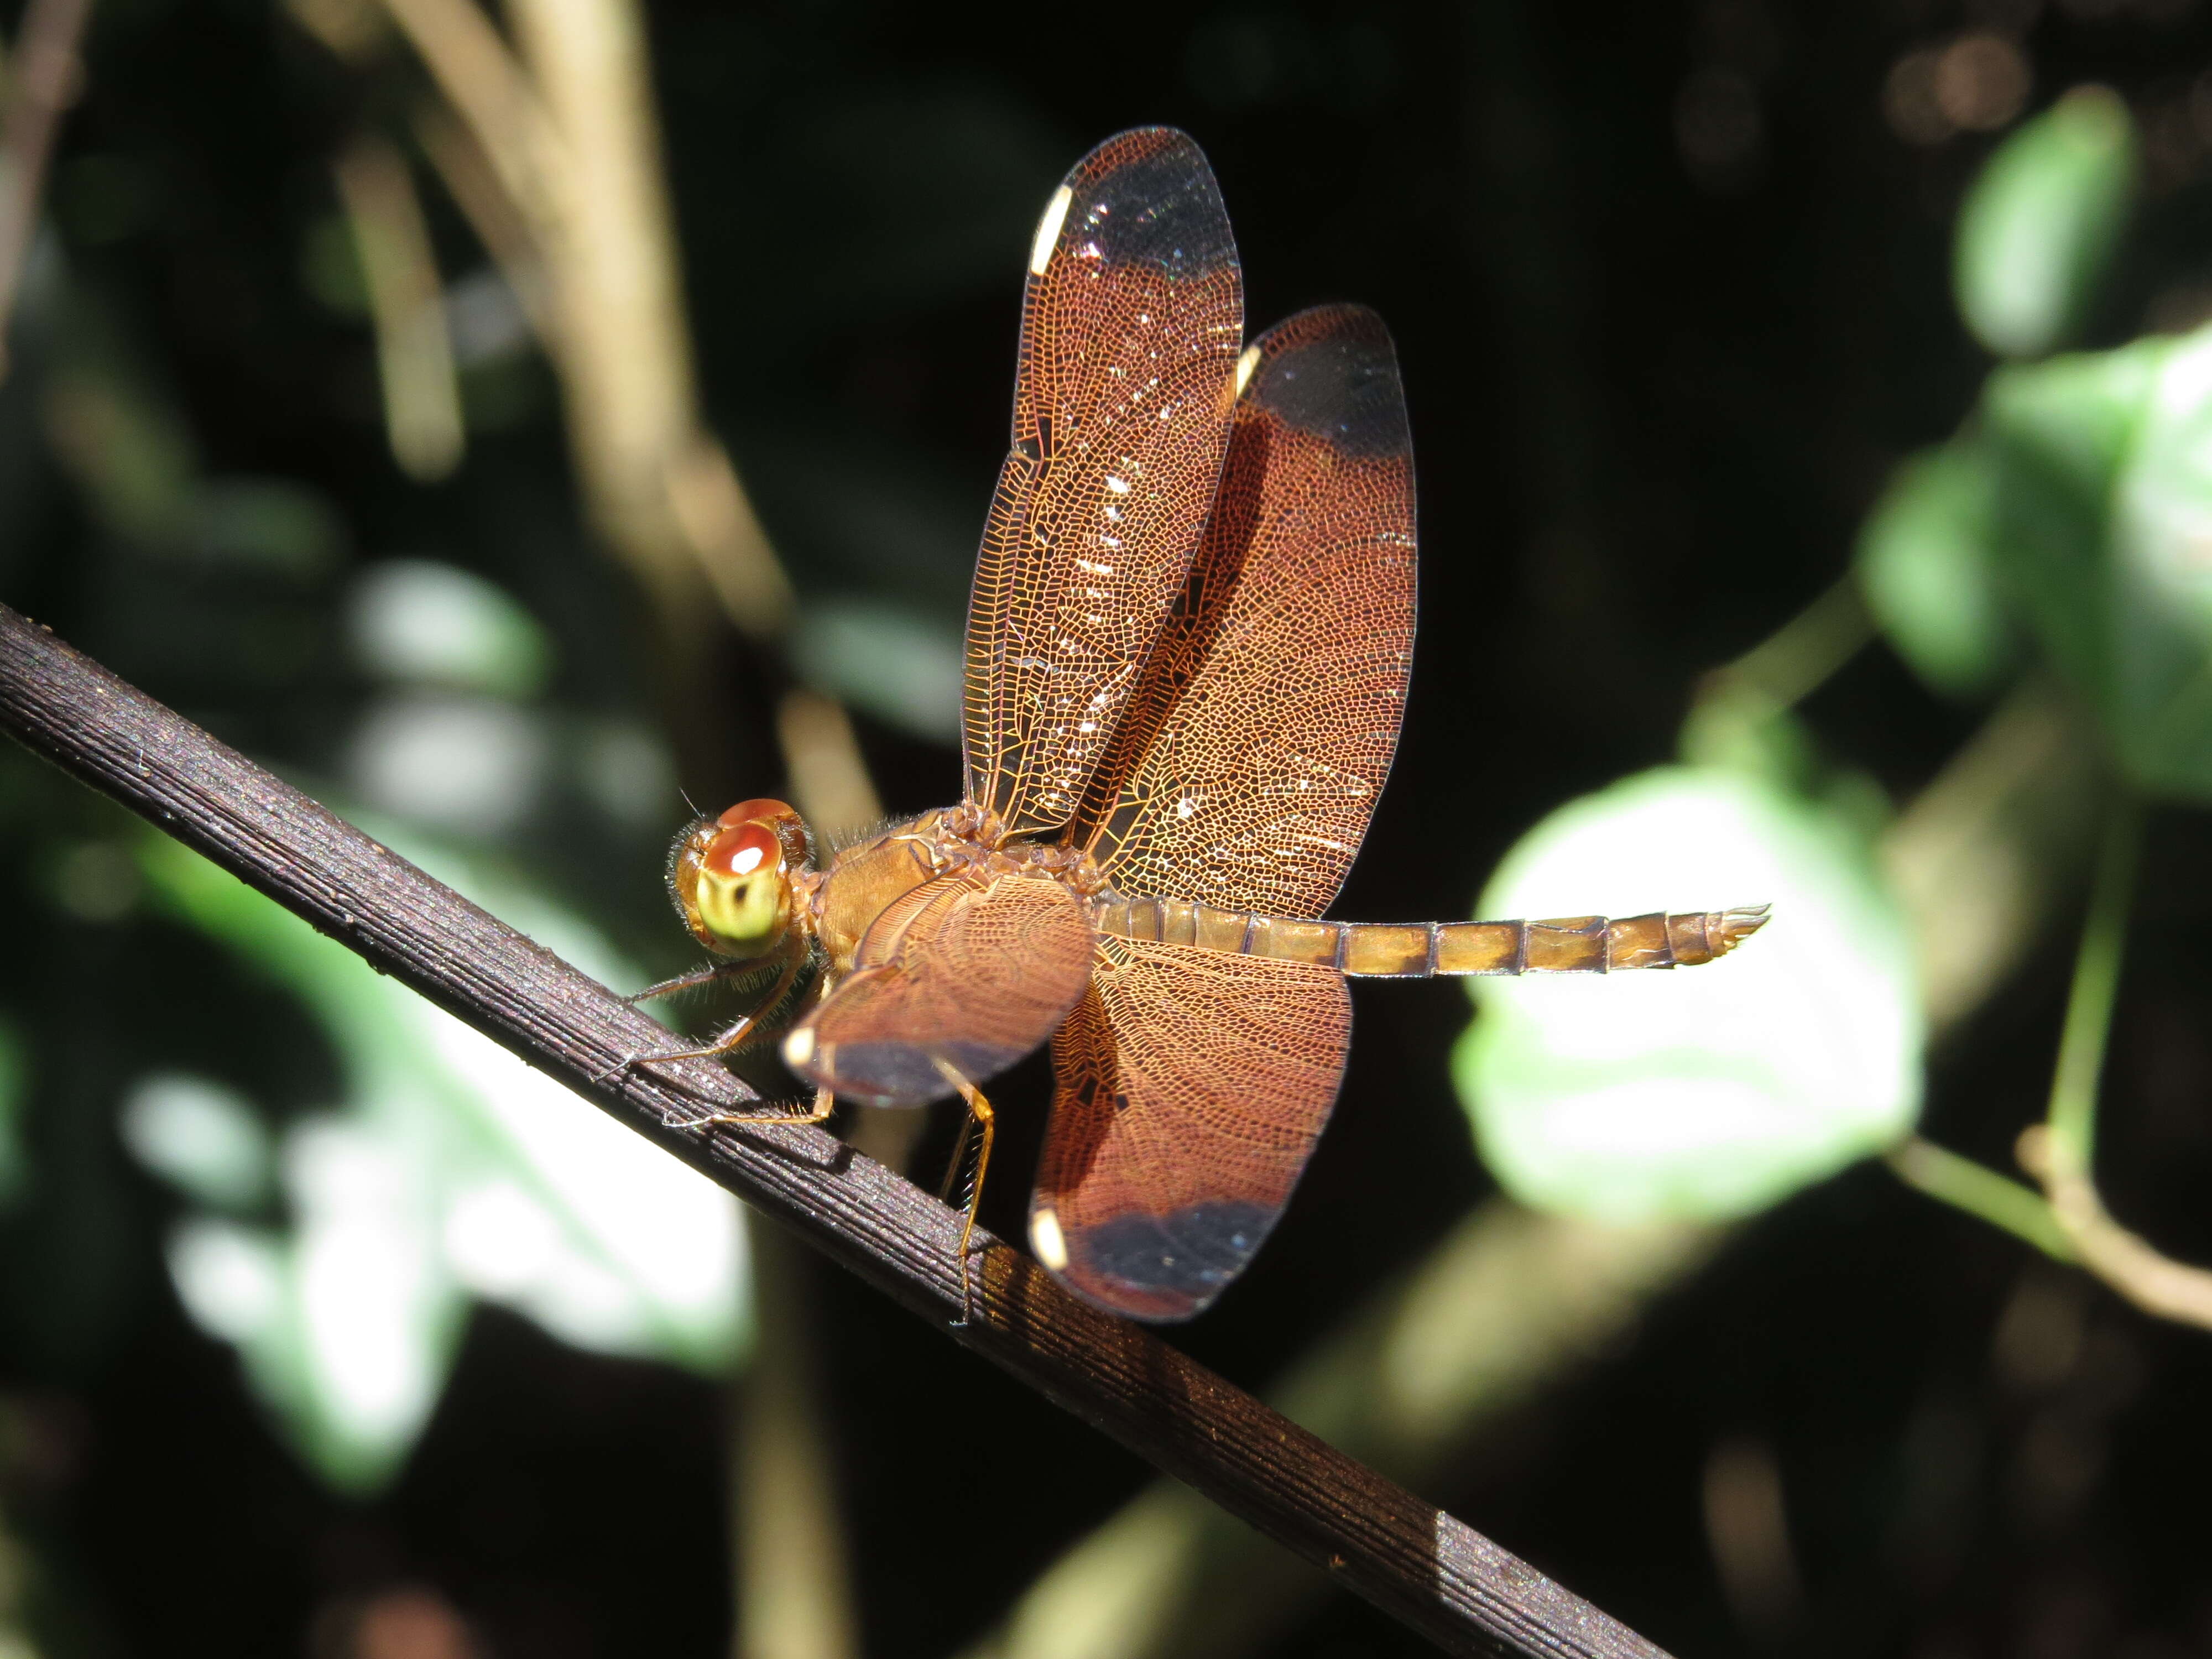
point(971, 840)
point(967, 842)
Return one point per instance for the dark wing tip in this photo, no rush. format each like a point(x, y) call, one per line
point(1160, 1268)
point(1147, 196)
point(1331, 372)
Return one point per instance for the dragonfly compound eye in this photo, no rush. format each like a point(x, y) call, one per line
point(732, 878)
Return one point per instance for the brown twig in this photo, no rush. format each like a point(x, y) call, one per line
point(2130, 1263)
point(1410, 1558)
point(41, 84)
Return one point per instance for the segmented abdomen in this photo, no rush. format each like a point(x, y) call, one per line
point(1422, 949)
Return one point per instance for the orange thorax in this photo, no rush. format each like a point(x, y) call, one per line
point(866, 878)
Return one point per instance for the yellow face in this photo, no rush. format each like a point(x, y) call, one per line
point(730, 878)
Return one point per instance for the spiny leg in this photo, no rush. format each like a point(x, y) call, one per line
point(824, 1103)
point(957, 1166)
point(698, 976)
point(982, 1119)
point(741, 1033)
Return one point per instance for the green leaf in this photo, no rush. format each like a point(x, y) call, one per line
point(1925, 565)
point(2160, 694)
point(2103, 510)
point(2039, 225)
point(2058, 435)
point(1704, 1093)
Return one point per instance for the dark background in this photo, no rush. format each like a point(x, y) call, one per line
point(1655, 380)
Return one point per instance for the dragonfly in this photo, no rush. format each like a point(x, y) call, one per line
point(1188, 648)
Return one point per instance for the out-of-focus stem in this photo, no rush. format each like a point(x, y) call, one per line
point(586, 238)
point(467, 174)
point(43, 73)
point(792, 1598)
point(572, 144)
point(829, 782)
point(406, 304)
point(2137, 1269)
point(2073, 1115)
point(480, 78)
point(662, 489)
point(1980, 1191)
point(2060, 1151)
point(1748, 1524)
point(1792, 663)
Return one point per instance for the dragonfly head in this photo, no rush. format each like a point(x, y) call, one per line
point(730, 877)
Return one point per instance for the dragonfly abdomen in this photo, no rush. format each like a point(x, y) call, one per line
point(1425, 950)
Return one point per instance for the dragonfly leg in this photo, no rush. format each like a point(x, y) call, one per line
point(745, 1031)
point(692, 980)
point(824, 1103)
point(982, 1119)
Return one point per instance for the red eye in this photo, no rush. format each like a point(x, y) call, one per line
point(742, 850)
point(750, 812)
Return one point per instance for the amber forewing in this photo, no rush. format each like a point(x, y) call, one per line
point(1131, 325)
point(953, 975)
point(1247, 766)
point(1190, 1085)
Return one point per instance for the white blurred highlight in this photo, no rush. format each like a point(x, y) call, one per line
point(200, 1136)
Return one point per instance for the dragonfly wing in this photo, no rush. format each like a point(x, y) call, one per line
point(1131, 325)
point(952, 974)
point(1189, 1087)
point(1245, 771)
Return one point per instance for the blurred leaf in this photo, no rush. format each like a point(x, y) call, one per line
point(202, 1136)
point(15, 1163)
point(1704, 1092)
point(348, 1325)
point(2104, 510)
point(452, 1168)
point(2039, 226)
point(419, 621)
point(2058, 434)
point(1924, 564)
point(898, 664)
point(2162, 558)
